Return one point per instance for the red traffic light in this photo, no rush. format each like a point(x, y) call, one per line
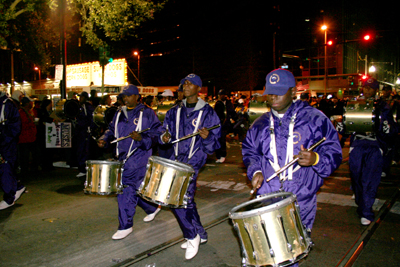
point(364, 77)
point(367, 37)
point(330, 42)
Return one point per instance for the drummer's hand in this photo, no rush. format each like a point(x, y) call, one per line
point(204, 133)
point(166, 137)
point(257, 180)
point(101, 143)
point(136, 136)
point(306, 158)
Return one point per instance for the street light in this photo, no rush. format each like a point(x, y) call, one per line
point(372, 68)
point(36, 68)
point(325, 29)
point(40, 83)
point(136, 53)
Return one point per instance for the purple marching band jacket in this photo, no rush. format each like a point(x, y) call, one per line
point(271, 143)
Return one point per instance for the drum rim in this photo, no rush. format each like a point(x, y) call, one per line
point(172, 163)
point(246, 214)
point(104, 162)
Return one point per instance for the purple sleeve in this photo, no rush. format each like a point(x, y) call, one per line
point(251, 147)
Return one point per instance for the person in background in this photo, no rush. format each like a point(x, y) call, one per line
point(192, 115)
point(284, 133)
point(395, 109)
point(46, 154)
point(305, 97)
point(82, 135)
point(27, 140)
point(180, 95)
point(134, 152)
point(167, 95)
point(10, 128)
point(225, 111)
point(36, 108)
point(105, 100)
point(94, 99)
point(241, 124)
point(391, 141)
point(366, 153)
point(120, 101)
point(16, 97)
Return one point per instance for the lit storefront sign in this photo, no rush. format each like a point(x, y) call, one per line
point(115, 73)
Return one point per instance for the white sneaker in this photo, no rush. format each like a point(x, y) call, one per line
point(365, 221)
point(19, 193)
point(151, 217)
point(192, 247)
point(120, 234)
point(202, 241)
point(4, 205)
point(221, 160)
point(81, 174)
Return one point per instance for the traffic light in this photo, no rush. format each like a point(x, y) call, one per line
point(330, 42)
point(367, 37)
point(350, 81)
point(105, 55)
point(364, 77)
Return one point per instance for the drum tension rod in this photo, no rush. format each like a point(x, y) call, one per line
point(280, 220)
point(264, 227)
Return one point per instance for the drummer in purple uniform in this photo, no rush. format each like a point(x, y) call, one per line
point(134, 152)
point(190, 116)
point(283, 133)
point(10, 128)
point(366, 153)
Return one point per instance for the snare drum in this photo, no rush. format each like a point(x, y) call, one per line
point(360, 117)
point(103, 177)
point(270, 230)
point(166, 182)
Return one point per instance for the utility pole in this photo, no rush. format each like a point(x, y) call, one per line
point(63, 50)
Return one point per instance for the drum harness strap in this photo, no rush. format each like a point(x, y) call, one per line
point(191, 152)
point(289, 150)
point(138, 128)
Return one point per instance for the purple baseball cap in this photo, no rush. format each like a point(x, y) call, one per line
point(371, 82)
point(193, 78)
point(278, 82)
point(130, 90)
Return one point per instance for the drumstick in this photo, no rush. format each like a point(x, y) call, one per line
point(3, 121)
point(289, 164)
point(294, 160)
point(194, 134)
point(125, 137)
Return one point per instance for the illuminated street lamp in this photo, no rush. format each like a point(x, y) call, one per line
point(40, 83)
point(325, 29)
point(136, 53)
point(37, 69)
point(372, 68)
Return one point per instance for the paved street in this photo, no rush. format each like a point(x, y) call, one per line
point(55, 224)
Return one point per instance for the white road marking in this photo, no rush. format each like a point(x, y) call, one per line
point(345, 200)
point(226, 185)
point(322, 197)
